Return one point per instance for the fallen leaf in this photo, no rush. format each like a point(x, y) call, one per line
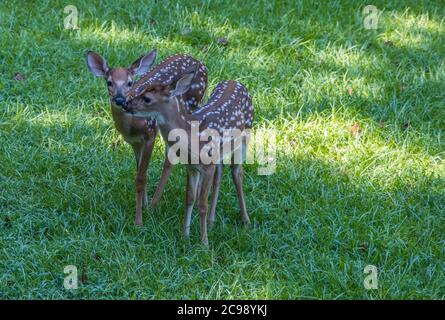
point(223, 41)
point(355, 129)
point(350, 92)
point(19, 77)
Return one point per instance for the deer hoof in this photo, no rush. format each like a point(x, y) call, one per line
point(153, 204)
point(247, 224)
point(186, 233)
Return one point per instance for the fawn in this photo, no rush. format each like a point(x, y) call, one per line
point(140, 132)
point(229, 107)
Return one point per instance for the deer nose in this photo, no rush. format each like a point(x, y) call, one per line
point(120, 101)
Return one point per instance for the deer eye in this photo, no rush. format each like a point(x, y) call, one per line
point(147, 99)
point(109, 83)
point(130, 83)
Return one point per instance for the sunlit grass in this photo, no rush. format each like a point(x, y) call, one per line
point(360, 176)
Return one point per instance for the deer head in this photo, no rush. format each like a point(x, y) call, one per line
point(158, 99)
point(119, 80)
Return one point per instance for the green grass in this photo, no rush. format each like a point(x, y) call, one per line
point(336, 203)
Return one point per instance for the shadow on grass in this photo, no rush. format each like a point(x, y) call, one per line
point(315, 224)
point(67, 191)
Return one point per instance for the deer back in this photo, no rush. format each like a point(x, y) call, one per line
point(229, 107)
point(171, 68)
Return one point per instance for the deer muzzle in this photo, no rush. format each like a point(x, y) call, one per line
point(120, 101)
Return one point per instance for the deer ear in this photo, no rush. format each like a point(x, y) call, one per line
point(98, 65)
point(143, 64)
point(183, 83)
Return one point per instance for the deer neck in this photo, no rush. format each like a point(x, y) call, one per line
point(176, 116)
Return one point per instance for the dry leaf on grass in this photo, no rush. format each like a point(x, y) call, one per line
point(355, 129)
point(19, 77)
point(223, 42)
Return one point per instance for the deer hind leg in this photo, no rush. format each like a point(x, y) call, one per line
point(190, 194)
point(166, 171)
point(237, 176)
point(215, 193)
point(205, 185)
point(141, 178)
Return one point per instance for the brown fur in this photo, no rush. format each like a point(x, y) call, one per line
point(229, 107)
point(140, 133)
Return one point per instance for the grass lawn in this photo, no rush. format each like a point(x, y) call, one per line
point(360, 175)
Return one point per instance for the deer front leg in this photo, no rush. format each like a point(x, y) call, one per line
point(141, 178)
point(206, 183)
point(137, 149)
point(215, 193)
point(237, 176)
point(166, 171)
point(192, 186)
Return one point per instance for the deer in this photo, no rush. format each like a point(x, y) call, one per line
point(229, 107)
point(140, 132)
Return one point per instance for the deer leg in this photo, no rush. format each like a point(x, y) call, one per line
point(237, 176)
point(166, 171)
point(206, 183)
point(192, 185)
point(141, 178)
point(215, 192)
point(137, 149)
